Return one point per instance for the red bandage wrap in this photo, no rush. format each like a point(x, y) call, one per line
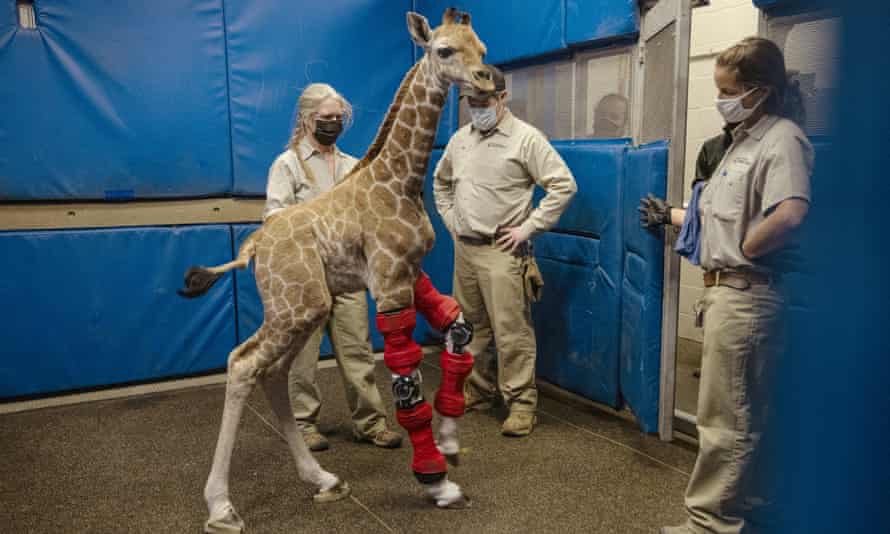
point(439, 310)
point(427, 458)
point(400, 353)
point(455, 369)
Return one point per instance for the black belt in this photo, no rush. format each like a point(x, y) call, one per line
point(523, 250)
point(477, 241)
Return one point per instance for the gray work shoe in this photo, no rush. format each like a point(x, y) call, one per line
point(519, 424)
point(385, 439)
point(313, 439)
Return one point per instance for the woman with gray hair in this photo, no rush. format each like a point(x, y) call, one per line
point(311, 165)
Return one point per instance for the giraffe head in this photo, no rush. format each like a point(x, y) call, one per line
point(455, 52)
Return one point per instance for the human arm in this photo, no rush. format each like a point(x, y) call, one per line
point(775, 231)
point(443, 190)
point(281, 188)
point(550, 172)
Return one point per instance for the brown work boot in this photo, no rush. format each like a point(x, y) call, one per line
point(313, 438)
point(519, 424)
point(475, 402)
point(385, 439)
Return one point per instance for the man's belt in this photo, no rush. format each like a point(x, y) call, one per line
point(477, 241)
point(737, 279)
point(525, 249)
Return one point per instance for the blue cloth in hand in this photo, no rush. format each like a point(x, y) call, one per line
point(689, 241)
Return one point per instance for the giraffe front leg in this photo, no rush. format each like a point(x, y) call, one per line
point(402, 356)
point(443, 313)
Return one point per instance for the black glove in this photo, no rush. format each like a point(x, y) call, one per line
point(654, 212)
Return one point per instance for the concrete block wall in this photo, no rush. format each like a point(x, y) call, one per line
point(714, 28)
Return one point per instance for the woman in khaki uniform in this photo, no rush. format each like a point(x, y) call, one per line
point(311, 165)
point(749, 210)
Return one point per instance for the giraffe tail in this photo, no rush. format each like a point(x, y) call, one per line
point(198, 280)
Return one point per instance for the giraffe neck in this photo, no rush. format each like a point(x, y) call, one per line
point(412, 119)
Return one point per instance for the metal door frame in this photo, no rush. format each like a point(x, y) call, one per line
point(661, 16)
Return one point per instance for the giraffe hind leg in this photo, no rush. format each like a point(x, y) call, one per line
point(222, 515)
point(330, 487)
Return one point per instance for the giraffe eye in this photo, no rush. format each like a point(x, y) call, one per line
point(445, 52)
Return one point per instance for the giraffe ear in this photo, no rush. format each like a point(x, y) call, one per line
point(419, 28)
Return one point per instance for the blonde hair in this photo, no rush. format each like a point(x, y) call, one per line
point(307, 105)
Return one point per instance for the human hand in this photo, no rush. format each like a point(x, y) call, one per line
point(511, 237)
point(654, 212)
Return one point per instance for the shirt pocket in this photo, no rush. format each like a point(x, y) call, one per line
point(729, 196)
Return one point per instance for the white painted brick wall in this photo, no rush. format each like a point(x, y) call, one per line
point(714, 28)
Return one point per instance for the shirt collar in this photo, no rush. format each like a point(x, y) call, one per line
point(307, 149)
point(504, 127)
point(760, 127)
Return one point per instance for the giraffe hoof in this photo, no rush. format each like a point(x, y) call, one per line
point(230, 523)
point(461, 503)
point(339, 491)
point(452, 459)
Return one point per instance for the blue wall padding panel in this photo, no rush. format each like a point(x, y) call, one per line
point(600, 20)
point(641, 285)
point(277, 48)
point(576, 323)
point(114, 99)
point(97, 307)
point(578, 343)
point(597, 166)
point(509, 31)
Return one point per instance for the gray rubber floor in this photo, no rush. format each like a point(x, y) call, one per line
point(139, 465)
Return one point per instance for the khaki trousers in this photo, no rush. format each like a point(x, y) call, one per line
point(347, 327)
point(489, 286)
point(744, 334)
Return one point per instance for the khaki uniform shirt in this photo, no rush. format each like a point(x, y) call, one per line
point(482, 183)
point(287, 183)
point(765, 164)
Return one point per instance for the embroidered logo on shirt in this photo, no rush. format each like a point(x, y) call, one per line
point(496, 145)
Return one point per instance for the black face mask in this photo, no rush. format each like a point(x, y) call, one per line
point(328, 130)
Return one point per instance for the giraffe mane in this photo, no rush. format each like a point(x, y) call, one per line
point(386, 126)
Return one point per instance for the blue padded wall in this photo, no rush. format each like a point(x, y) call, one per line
point(114, 99)
point(87, 308)
point(642, 285)
point(600, 20)
point(276, 49)
point(510, 32)
point(577, 321)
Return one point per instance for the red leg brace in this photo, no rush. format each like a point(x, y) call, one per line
point(455, 369)
point(428, 463)
point(402, 356)
point(400, 353)
point(438, 309)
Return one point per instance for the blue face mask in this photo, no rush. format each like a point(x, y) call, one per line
point(484, 119)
